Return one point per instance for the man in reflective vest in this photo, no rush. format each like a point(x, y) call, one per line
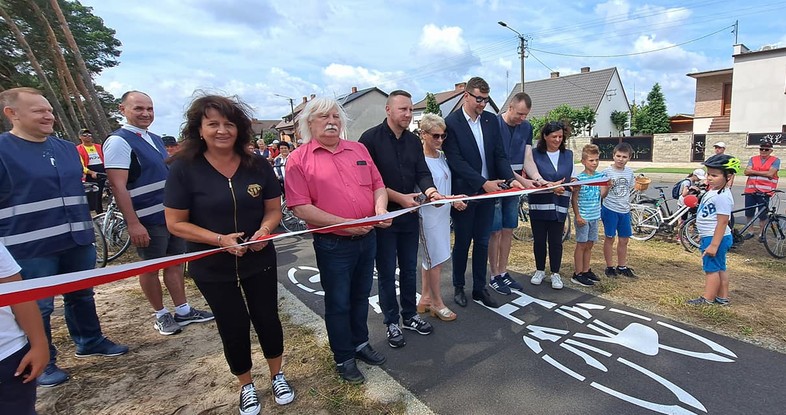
point(134, 162)
point(45, 221)
point(762, 172)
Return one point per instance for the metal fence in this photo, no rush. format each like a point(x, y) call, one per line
point(642, 147)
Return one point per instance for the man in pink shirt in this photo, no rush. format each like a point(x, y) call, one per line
point(330, 181)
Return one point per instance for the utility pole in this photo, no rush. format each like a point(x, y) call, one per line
point(736, 31)
point(291, 107)
point(523, 44)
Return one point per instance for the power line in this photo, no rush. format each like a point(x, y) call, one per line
point(564, 78)
point(622, 55)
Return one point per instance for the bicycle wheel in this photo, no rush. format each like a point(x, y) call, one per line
point(689, 235)
point(523, 232)
point(775, 236)
point(289, 221)
point(100, 244)
point(116, 233)
point(644, 221)
point(566, 229)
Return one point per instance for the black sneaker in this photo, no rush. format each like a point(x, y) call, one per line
point(370, 356)
point(721, 301)
point(418, 324)
point(249, 401)
point(510, 282)
point(591, 275)
point(761, 239)
point(626, 271)
point(483, 297)
point(611, 272)
point(583, 280)
point(498, 284)
point(395, 336)
point(350, 373)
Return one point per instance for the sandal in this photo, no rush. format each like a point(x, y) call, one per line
point(444, 314)
point(424, 308)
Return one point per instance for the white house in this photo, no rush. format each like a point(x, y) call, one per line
point(600, 90)
point(758, 90)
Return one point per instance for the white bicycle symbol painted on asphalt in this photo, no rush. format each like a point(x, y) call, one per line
point(297, 275)
point(583, 335)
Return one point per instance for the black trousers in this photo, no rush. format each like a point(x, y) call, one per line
point(94, 199)
point(547, 232)
point(255, 301)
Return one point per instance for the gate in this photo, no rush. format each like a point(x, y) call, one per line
point(697, 146)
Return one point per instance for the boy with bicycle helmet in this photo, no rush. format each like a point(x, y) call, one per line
point(712, 222)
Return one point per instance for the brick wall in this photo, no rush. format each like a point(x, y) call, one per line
point(671, 147)
point(709, 94)
point(735, 146)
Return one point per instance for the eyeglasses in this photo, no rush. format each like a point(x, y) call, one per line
point(765, 149)
point(438, 136)
point(479, 99)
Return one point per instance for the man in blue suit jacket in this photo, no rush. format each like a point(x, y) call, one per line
point(478, 164)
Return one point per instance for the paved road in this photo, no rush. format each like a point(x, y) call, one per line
point(562, 352)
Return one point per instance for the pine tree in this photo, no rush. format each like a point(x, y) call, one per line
point(432, 107)
point(652, 117)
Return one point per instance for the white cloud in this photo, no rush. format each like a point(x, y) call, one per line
point(341, 78)
point(442, 41)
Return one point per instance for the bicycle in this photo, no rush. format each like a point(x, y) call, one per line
point(289, 221)
point(774, 230)
point(114, 227)
point(648, 219)
point(100, 243)
point(523, 231)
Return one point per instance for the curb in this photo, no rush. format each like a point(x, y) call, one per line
point(380, 386)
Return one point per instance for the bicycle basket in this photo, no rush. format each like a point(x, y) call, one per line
point(642, 183)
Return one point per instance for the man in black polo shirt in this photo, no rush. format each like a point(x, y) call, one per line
point(398, 154)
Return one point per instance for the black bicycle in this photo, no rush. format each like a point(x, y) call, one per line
point(773, 236)
point(100, 243)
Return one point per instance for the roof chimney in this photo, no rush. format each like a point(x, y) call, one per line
point(554, 75)
point(460, 86)
point(354, 89)
point(585, 69)
point(305, 100)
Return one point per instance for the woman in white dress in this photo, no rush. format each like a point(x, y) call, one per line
point(435, 220)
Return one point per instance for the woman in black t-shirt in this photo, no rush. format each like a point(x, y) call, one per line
point(219, 194)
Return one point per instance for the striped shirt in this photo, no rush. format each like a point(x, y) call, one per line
point(589, 197)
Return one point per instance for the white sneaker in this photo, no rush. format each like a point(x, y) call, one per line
point(538, 277)
point(556, 281)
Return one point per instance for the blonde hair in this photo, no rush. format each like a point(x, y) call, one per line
point(430, 122)
point(589, 150)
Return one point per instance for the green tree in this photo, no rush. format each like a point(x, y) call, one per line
point(269, 136)
point(652, 117)
point(432, 106)
point(620, 120)
point(578, 121)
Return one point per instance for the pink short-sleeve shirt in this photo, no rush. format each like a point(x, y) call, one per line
point(341, 183)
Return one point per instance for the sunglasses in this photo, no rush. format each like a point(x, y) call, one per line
point(557, 124)
point(478, 99)
point(765, 149)
point(438, 136)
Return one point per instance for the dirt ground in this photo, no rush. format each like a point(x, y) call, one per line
point(186, 373)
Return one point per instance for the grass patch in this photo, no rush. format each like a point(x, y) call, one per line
point(681, 170)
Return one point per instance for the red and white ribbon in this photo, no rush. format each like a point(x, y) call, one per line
point(38, 288)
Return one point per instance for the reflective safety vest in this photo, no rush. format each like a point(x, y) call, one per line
point(43, 208)
point(147, 191)
point(547, 205)
point(761, 183)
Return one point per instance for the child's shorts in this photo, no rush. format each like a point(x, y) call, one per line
point(615, 223)
point(588, 232)
point(718, 262)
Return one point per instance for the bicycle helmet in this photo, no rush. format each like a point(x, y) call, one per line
point(725, 162)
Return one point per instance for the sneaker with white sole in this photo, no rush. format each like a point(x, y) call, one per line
point(194, 316)
point(281, 389)
point(556, 281)
point(249, 402)
point(417, 324)
point(167, 325)
point(510, 282)
point(538, 277)
point(583, 280)
point(699, 301)
point(498, 284)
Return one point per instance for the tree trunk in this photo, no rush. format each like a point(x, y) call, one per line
point(50, 92)
point(92, 96)
point(67, 81)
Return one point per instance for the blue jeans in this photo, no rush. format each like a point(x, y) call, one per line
point(346, 269)
point(80, 306)
point(398, 242)
point(472, 225)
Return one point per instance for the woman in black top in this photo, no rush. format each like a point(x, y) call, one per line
point(218, 195)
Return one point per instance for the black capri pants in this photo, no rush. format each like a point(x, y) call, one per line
point(543, 232)
point(235, 310)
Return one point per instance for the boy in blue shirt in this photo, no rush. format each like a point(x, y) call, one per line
point(586, 210)
point(712, 222)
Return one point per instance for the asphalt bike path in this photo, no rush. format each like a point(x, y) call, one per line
point(545, 351)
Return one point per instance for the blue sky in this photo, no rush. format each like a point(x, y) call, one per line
point(259, 48)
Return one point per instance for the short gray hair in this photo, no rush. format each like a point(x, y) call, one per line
point(319, 105)
point(430, 122)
